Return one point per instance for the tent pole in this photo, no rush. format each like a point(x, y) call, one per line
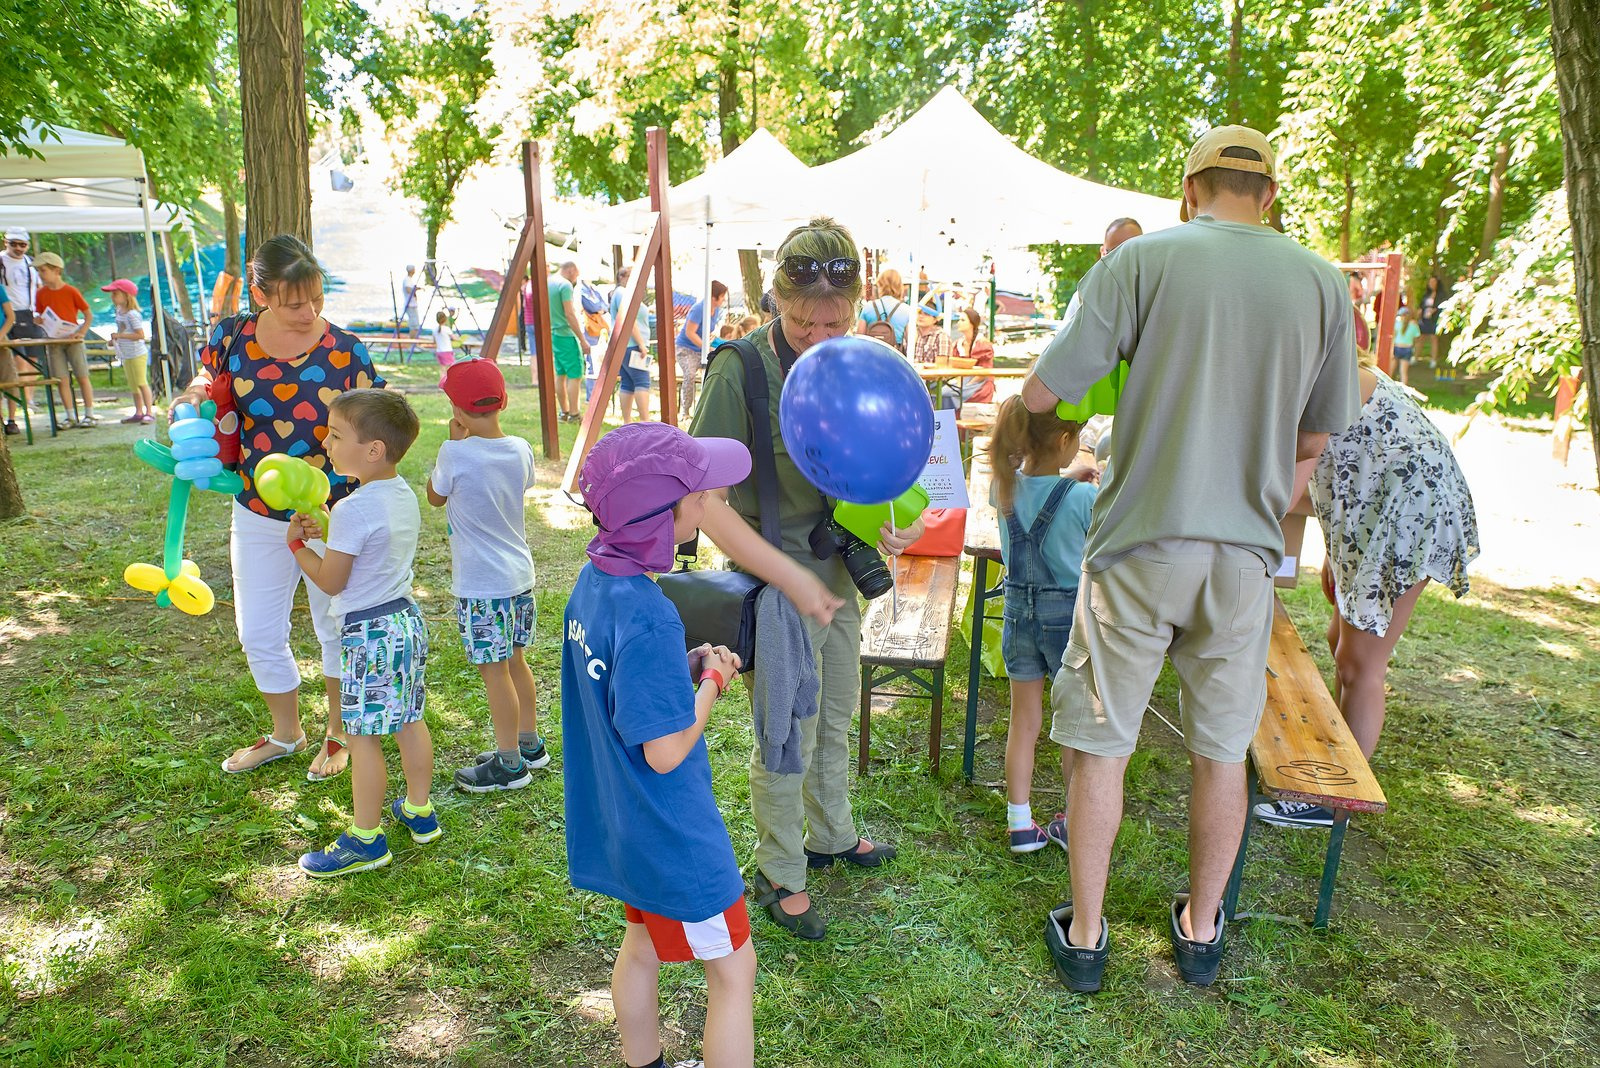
point(155, 285)
point(705, 324)
point(992, 301)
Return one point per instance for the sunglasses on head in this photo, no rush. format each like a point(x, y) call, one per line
point(803, 270)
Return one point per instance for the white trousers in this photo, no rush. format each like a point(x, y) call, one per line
point(265, 576)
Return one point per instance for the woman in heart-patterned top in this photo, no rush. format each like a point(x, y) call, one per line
point(272, 374)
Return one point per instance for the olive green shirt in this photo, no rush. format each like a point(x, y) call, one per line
point(723, 413)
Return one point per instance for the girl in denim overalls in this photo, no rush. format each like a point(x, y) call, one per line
point(1044, 520)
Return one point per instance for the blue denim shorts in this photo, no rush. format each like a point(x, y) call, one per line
point(491, 627)
point(631, 379)
point(1033, 636)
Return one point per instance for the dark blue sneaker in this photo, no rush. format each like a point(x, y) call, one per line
point(422, 828)
point(1294, 814)
point(348, 854)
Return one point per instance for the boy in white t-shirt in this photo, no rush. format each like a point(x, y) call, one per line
point(383, 643)
point(480, 478)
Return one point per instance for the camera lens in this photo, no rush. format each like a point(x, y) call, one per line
point(866, 567)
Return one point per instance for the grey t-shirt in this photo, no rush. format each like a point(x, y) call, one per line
point(1236, 338)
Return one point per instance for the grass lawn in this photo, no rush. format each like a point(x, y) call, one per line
point(151, 912)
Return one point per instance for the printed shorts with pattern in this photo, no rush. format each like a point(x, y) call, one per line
point(1207, 607)
point(676, 941)
point(382, 663)
point(492, 626)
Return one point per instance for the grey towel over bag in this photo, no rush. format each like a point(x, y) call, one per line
point(784, 691)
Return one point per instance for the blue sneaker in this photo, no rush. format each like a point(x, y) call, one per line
point(348, 854)
point(422, 828)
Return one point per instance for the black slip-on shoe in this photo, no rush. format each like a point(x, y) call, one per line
point(808, 924)
point(878, 854)
point(1197, 961)
point(1078, 968)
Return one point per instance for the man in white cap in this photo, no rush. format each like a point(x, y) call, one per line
point(1240, 362)
point(22, 283)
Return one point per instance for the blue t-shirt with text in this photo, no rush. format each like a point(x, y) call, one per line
point(697, 316)
point(654, 841)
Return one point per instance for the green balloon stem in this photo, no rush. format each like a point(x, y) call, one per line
point(163, 600)
point(177, 516)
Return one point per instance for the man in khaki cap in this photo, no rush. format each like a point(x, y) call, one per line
point(1240, 362)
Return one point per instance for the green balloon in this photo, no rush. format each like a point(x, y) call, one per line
point(290, 484)
point(1101, 399)
point(866, 520)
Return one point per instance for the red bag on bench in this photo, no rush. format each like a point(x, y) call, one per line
point(943, 532)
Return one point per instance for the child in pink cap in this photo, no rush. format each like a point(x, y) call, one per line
point(132, 351)
point(642, 822)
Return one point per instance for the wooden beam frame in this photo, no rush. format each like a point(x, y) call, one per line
point(666, 335)
point(610, 369)
point(529, 261)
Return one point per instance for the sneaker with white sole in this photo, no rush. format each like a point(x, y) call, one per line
point(490, 775)
point(346, 855)
point(536, 758)
point(1029, 840)
point(1056, 830)
point(1294, 814)
point(423, 828)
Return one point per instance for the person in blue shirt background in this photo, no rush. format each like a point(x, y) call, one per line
point(642, 821)
point(690, 342)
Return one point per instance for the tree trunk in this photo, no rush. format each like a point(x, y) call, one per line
point(232, 259)
point(728, 124)
point(1235, 63)
point(1089, 136)
point(111, 254)
point(1575, 36)
point(750, 273)
point(175, 276)
point(11, 506)
point(433, 241)
point(1497, 204)
point(272, 98)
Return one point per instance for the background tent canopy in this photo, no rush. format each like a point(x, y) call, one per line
point(751, 198)
point(81, 183)
point(945, 177)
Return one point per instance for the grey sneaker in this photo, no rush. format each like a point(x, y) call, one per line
point(492, 775)
point(536, 758)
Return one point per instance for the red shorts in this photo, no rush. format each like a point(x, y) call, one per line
point(676, 941)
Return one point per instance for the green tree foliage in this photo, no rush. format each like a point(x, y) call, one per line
point(1517, 319)
point(428, 92)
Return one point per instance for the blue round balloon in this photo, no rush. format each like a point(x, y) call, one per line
point(856, 419)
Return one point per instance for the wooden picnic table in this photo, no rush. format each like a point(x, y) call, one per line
point(929, 371)
point(982, 543)
point(44, 381)
point(406, 344)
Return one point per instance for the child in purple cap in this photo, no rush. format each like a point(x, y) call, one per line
point(642, 822)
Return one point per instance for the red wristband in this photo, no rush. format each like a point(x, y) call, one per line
point(296, 545)
point(711, 673)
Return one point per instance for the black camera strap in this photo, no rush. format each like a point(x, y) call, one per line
point(763, 455)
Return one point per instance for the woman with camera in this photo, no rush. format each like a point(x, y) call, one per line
point(802, 820)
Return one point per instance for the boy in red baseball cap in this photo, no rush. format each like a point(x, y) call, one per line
point(642, 821)
point(480, 479)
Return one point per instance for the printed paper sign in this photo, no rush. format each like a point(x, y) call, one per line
point(943, 477)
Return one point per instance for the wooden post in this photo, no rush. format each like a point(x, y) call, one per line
point(529, 255)
point(610, 369)
point(1393, 267)
point(666, 347)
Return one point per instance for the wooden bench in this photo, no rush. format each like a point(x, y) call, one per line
point(982, 543)
point(909, 640)
point(14, 390)
point(1303, 751)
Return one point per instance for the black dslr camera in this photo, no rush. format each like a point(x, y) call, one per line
point(860, 559)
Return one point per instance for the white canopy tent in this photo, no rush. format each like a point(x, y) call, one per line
point(946, 177)
point(72, 171)
point(749, 199)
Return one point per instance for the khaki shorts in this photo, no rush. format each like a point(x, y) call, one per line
point(1206, 606)
point(68, 358)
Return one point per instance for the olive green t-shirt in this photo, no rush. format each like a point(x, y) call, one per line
point(723, 413)
point(1236, 338)
point(560, 298)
